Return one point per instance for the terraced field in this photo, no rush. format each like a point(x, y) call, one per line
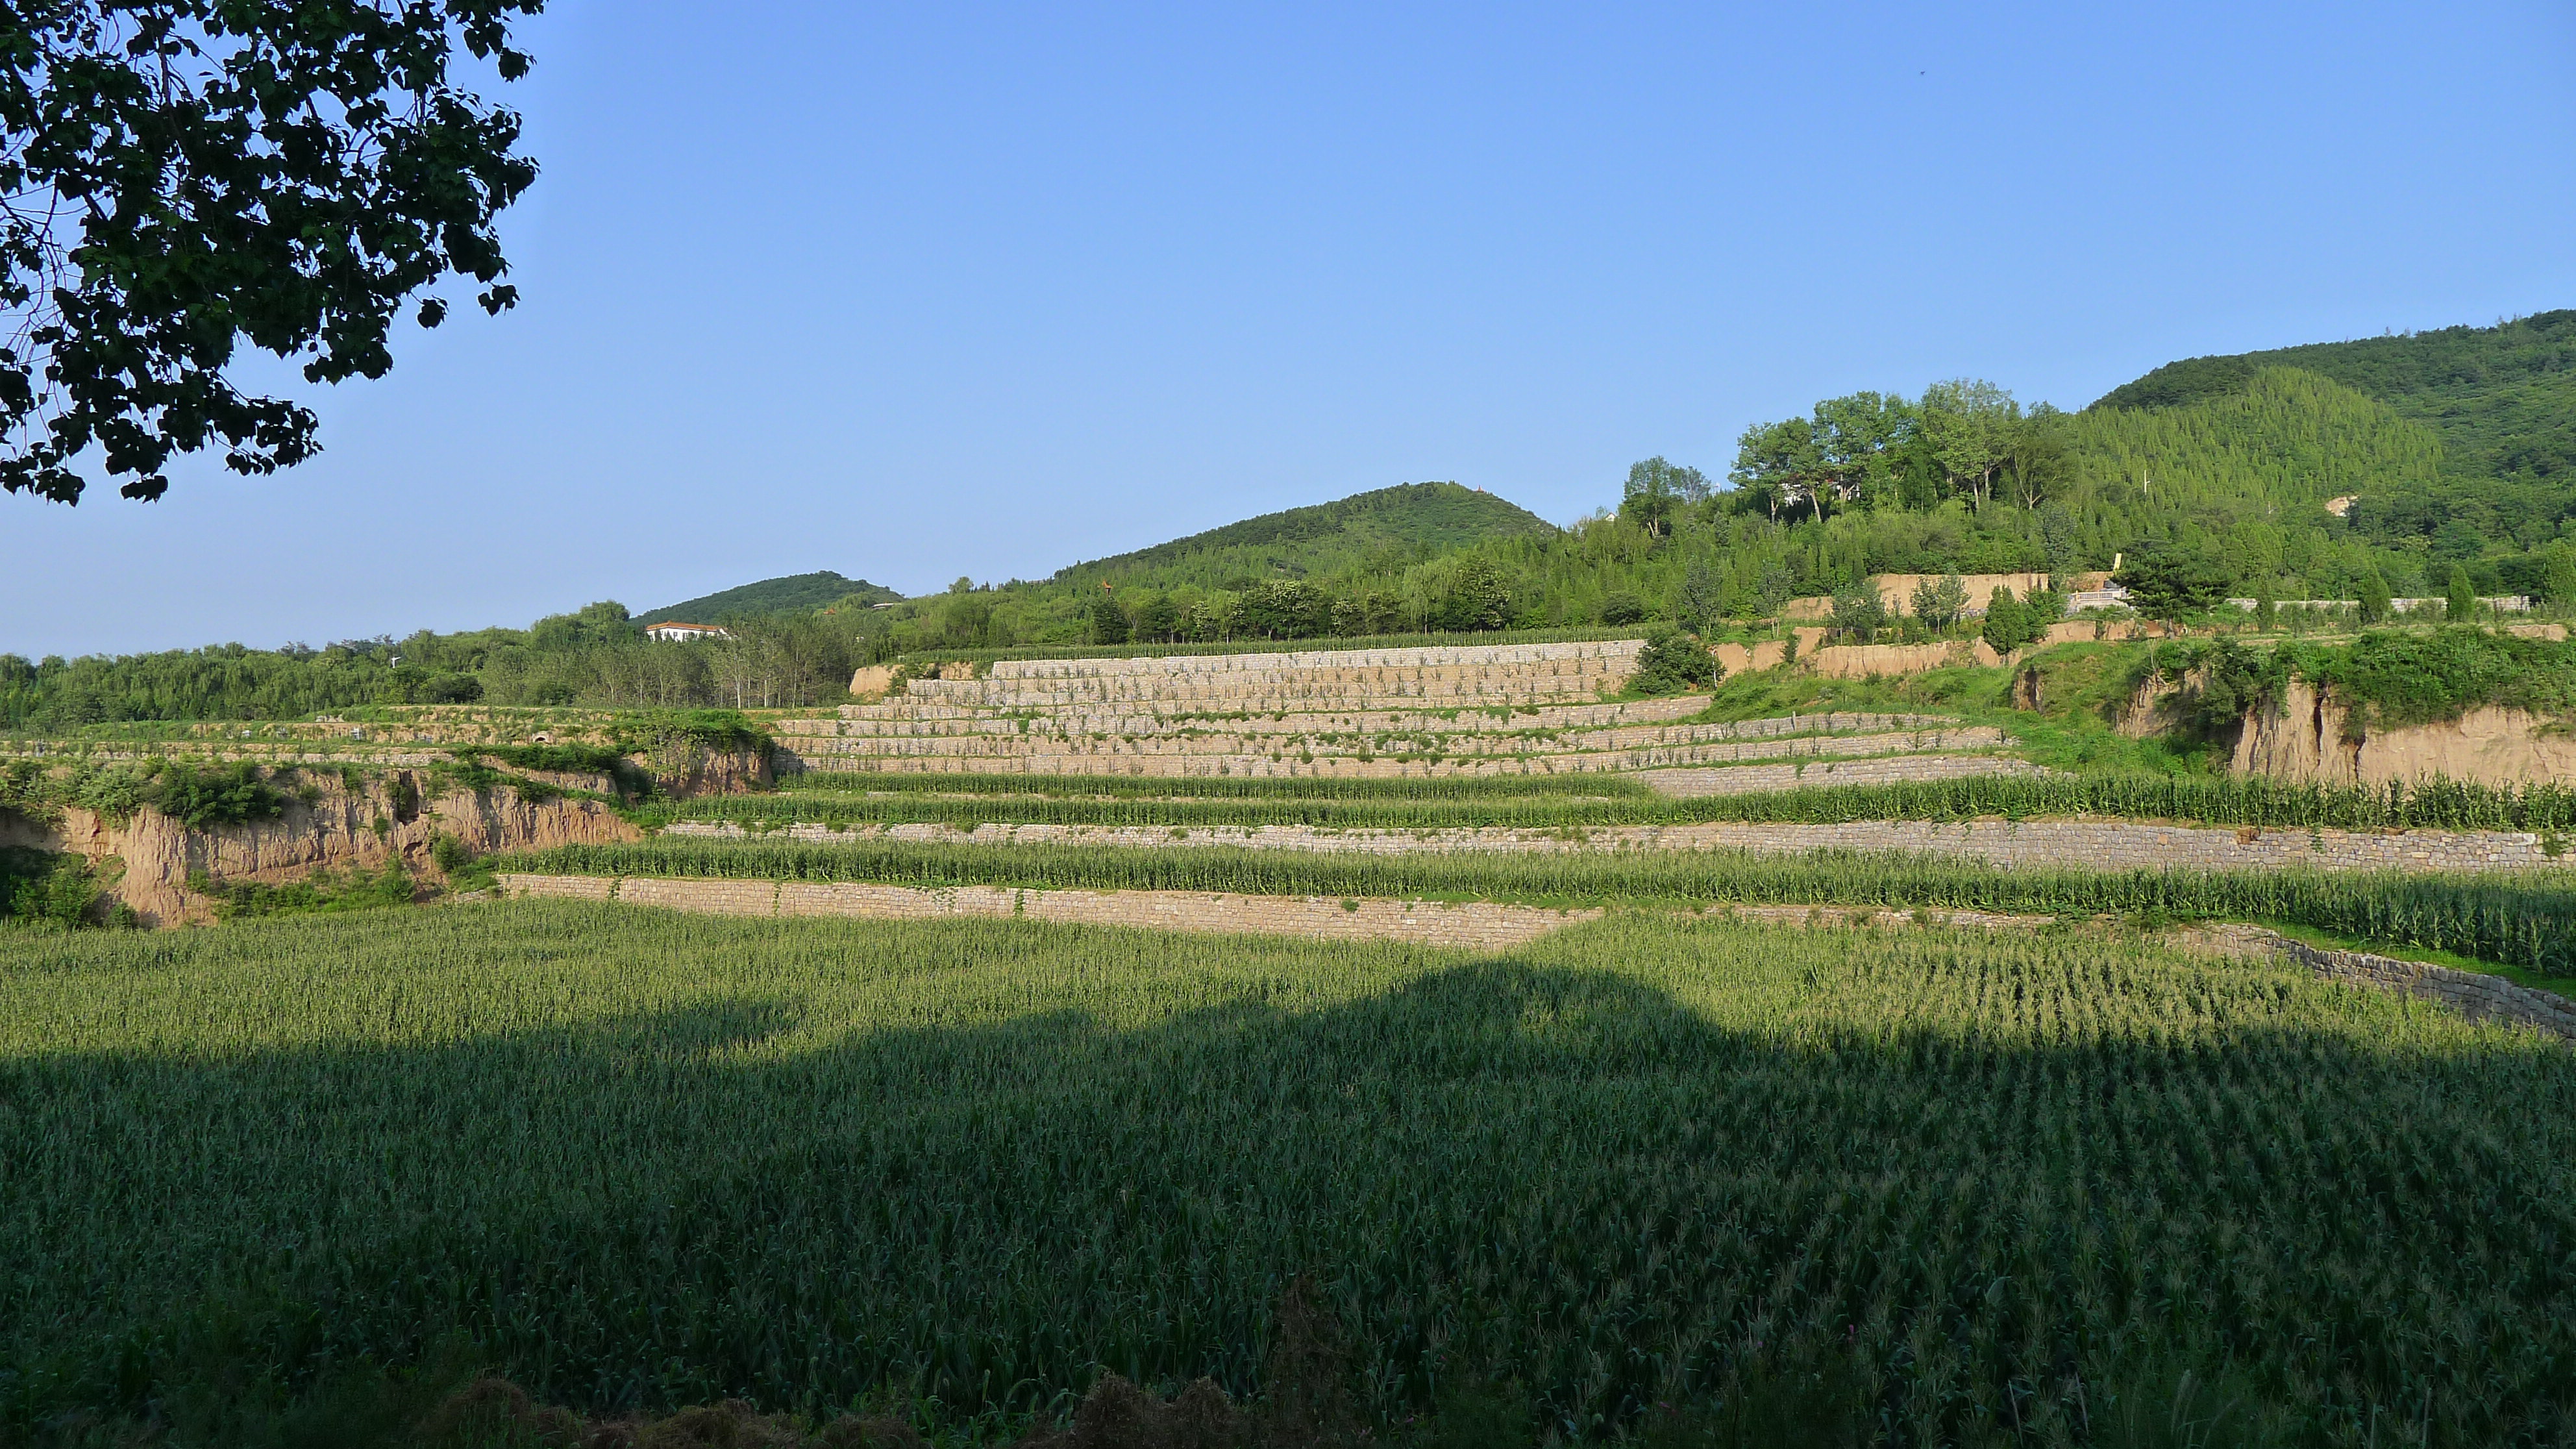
point(1377, 714)
point(1612, 1073)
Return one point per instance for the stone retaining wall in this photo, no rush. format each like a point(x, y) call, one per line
point(1663, 717)
point(1619, 653)
point(2476, 996)
point(1470, 925)
point(1500, 672)
point(1219, 754)
point(2057, 844)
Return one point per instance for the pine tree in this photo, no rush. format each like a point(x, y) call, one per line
point(2006, 627)
point(2374, 597)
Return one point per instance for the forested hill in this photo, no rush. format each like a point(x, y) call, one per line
point(795, 593)
point(2502, 399)
point(1403, 524)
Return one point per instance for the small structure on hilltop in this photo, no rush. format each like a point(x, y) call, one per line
point(677, 633)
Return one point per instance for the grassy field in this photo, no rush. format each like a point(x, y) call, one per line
point(1930, 1187)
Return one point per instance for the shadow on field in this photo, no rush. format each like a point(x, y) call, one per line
point(1543, 1200)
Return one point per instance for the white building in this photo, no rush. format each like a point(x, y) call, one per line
point(679, 633)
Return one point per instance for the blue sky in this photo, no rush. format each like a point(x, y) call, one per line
point(926, 291)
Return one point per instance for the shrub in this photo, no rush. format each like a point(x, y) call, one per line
point(1859, 611)
point(1622, 608)
point(43, 886)
point(1674, 662)
point(199, 799)
point(2007, 628)
point(1939, 602)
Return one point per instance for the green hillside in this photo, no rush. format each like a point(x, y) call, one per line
point(1408, 521)
point(793, 594)
point(2501, 400)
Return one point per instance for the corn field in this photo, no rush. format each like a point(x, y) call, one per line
point(1993, 1189)
point(2526, 920)
point(1574, 800)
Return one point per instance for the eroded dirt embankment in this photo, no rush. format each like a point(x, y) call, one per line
point(2311, 734)
point(147, 859)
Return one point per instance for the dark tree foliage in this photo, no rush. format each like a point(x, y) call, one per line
point(1674, 662)
point(177, 176)
point(1479, 597)
point(1108, 621)
point(2235, 681)
point(1157, 621)
point(220, 795)
point(2168, 582)
point(2007, 624)
point(1287, 609)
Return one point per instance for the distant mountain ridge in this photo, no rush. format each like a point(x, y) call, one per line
point(790, 594)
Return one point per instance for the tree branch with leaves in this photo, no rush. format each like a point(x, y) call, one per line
point(178, 177)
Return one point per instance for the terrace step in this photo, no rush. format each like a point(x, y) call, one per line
point(1747, 779)
point(1211, 755)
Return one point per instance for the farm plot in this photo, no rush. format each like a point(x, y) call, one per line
point(2520, 919)
point(1970, 1187)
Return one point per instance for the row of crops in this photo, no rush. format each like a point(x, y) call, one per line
point(836, 783)
point(2524, 920)
point(1968, 1188)
point(1546, 801)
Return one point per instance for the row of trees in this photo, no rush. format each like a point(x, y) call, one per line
point(1477, 597)
point(1962, 439)
point(594, 656)
point(1938, 607)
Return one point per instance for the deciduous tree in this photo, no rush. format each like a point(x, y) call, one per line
point(1970, 425)
point(181, 176)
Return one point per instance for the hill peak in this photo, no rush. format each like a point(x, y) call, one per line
point(786, 594)
point(1432, 517)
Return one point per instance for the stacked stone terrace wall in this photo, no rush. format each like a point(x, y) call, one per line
point(2128, 845)
point(1219, 753)
point(2476, 996)
point(1502, 673)
point(1618, 653)
point(1468, 925)
point(2052, 844)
